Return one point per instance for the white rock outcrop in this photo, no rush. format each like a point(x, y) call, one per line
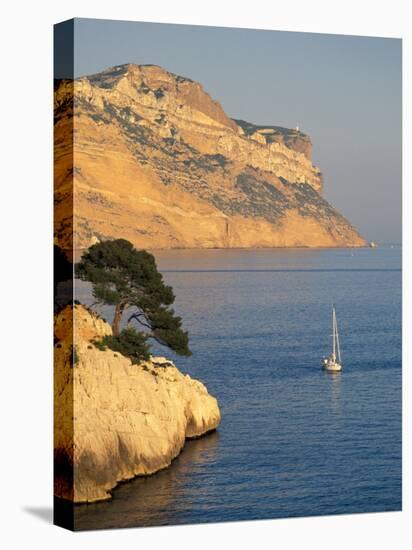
point(115, 420)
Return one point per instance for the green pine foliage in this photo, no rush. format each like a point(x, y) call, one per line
point(130, 343)
point(128, 279)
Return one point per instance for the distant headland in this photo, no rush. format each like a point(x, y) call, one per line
point(156, 160)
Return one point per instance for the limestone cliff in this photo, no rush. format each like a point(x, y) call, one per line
point(115, 420)
point(156, 160)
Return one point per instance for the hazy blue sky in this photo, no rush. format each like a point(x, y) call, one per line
point(344, 91)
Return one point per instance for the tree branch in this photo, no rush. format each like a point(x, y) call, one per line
point(138, 317)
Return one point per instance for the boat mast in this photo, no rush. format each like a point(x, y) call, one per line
point(333, 332)
point(337, 339)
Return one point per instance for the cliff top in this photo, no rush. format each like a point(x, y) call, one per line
point(146, 69)
point(153, 79)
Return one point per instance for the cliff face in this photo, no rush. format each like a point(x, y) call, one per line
point(157, 161)
point(115, 420)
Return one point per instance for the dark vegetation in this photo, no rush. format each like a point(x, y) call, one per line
point(310, 203)
point(260, 199)
point(159, 93)
point(129, 280)
point(250, 128)
point(129, 342)
point(209, 163)
point(107, 79)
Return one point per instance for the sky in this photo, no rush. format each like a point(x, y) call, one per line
point(345, 92)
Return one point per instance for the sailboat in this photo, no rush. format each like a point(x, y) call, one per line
point(333, 363)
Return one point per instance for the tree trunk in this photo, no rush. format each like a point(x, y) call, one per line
point(117, 318)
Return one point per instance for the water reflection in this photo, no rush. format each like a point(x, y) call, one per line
point(276, 258)
point(335, 387)
point(162, 499)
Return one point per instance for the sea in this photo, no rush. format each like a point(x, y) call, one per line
point(294, 440)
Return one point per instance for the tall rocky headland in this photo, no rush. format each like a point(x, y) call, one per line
point(154, 159)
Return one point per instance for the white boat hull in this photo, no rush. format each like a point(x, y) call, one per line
point(332, 366)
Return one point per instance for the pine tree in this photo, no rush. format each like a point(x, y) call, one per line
point(129, 280)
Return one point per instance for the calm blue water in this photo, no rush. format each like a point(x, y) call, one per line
point(294, 440)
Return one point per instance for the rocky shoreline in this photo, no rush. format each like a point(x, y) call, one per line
point(115, 420)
